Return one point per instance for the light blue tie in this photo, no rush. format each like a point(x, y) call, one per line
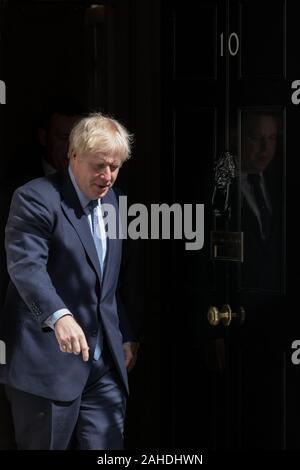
point(96, 232)
point(98, 244)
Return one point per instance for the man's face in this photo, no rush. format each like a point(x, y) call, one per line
point(94, 172)
point(259, 144)
point(57, 140)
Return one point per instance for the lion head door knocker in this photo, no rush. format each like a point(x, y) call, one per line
point(224, 174)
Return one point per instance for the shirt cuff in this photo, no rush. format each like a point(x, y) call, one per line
point(50, 321)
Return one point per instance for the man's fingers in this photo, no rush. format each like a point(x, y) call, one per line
point(84, 348)
point(65, 346)
point(70, 337)
point(76, 346)
point(130, 363)
point(85, 354)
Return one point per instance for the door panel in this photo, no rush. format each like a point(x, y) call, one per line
point(262, 38)
point(200, 62)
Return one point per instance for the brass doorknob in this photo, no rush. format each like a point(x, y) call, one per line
point(224, 315)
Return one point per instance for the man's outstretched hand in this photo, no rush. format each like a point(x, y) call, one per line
point(70, 337)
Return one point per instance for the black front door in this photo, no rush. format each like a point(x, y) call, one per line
point(229, 125)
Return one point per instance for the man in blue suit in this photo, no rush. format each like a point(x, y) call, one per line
point(68, 341)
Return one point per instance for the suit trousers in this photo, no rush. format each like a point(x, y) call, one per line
point(93, 421)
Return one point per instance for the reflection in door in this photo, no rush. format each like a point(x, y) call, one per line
point(262, 175)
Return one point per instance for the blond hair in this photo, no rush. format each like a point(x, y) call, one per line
point(100, 133)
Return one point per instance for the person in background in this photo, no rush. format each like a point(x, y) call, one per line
point(261, 198)
point(57, 119)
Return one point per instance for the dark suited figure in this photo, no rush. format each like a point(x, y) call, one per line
point(69, 342)
point(261, 199)
point(56, 122)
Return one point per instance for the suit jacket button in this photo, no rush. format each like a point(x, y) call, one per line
point(94, 333)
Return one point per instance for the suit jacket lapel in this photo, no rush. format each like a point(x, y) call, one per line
point(75, 214)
